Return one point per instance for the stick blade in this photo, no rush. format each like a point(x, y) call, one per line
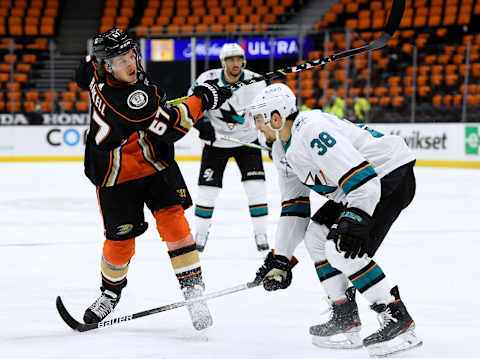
point(67, 318)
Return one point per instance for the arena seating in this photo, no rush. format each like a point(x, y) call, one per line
point(25, 26)
point(200, 16)
point(435, 27)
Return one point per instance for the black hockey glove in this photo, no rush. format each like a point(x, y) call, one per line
point(276, 272)
point(212, 95)
point(351, 232)
point(206, 130)
point(328, 213)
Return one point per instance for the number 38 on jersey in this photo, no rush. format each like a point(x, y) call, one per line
point(323, 143)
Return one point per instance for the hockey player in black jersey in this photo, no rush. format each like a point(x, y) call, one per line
point(129, 157)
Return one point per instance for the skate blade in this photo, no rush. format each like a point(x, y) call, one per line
point(338, 341)
point(402, 343)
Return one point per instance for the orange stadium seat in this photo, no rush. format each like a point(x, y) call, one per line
point(69, 96)
point(46, 106)
point(384, 101)
point(13, 86)
point(32, 95)
point(28, 106)
point(246, 10)
point(310, 102)
point(395, 91)
point(398, 101)
point(437, 100)
point(66, 105)
point(48, 95)
point(16, 107)
point(5, 67)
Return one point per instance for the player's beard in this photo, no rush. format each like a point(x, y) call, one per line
point(234, 73)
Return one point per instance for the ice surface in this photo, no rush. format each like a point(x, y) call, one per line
point(51, 237)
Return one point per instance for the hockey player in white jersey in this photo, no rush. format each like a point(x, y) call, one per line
point(368, 178)
point(229, 121)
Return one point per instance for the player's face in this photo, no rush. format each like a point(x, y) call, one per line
point(265, 129)
point(234, 65)
point(124, 67)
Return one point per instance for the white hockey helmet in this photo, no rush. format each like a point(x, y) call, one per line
point(232, 49)
point(276, 97)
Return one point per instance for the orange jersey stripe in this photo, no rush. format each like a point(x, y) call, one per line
point(361, 275)
point(361, 168)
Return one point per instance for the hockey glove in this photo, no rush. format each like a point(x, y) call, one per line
point(328, 213)
point(276, 272)
point(212, 95)
point(206, 130)
point(351, 232)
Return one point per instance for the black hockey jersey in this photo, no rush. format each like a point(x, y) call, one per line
point(132, 127)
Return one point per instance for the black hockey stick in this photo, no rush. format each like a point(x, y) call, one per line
point(81, 327)
point(396, 13)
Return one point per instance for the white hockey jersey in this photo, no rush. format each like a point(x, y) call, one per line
point(229, 119)
point(335, 158)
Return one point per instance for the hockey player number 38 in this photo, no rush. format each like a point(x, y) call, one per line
point(323, 141)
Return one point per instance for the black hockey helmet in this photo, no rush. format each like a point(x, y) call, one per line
point(111, 43)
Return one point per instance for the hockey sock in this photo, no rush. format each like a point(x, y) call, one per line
point(257, 204)
point(204, 207)
point(371, 282)
point(115, 260)
point(185, 261)
point(333, 281)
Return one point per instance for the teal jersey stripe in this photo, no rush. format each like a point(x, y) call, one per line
point(297, 208)
point(326, 271)
point(354, 181)
point(204, 213)
point(319, 188)
point(366, 279)
point(262, 211)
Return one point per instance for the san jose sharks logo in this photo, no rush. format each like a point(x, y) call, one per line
point(316, 184)
point(231, 117)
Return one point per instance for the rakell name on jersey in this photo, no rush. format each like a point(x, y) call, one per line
point(96, 99)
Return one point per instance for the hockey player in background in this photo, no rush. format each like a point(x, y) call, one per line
point(129, 157)
point(228, 120)
point(368, 178)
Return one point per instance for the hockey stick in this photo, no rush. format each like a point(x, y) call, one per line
point(252, 145)
point(394, 19)
point(81, 327)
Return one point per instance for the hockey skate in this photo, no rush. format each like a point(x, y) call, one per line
point(396, 333)
point(103, 306)
point(341, 330)
point(261, 241)
point(198, 309)
point(201, 241)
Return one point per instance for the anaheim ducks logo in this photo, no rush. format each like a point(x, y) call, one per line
point(124, 229)
point(137, 100)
